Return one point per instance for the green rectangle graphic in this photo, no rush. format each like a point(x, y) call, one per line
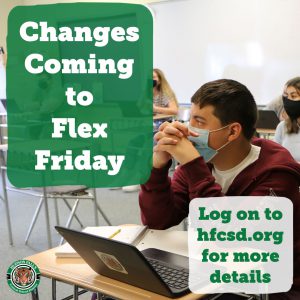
point(79, 94)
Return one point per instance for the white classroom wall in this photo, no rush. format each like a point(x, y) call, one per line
point(255, 42)
point(7, 5)
point(34, 2)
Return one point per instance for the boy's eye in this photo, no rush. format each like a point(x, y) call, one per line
point(200, 122)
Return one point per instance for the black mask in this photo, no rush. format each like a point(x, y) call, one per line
point(154, 83)
point(291, 107)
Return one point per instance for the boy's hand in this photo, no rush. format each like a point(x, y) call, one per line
point(176, 128)
point(161, 158)
point(172, 141)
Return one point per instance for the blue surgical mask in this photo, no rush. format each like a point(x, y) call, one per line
point(201, 142)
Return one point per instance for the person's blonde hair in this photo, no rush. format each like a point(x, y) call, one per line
point(292, 125)
point(164, 86)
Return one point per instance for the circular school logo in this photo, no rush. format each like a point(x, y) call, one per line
point(23, 276)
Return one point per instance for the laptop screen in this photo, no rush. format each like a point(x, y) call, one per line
point(267, 119)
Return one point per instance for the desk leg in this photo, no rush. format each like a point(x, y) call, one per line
point(75, 292)
point(35, 294)
point(53, 289)
point(100, 296)
point(72, 296)
point(47, 218)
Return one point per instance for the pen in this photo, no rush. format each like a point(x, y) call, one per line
point(114, 234)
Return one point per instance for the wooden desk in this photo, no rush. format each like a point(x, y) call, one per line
point(265, 133)
point(76, 272)
point(158, 119)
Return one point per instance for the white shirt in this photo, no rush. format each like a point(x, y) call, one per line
point(225, 178)
point(290, 141)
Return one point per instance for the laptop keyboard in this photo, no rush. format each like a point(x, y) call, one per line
point(175, 278)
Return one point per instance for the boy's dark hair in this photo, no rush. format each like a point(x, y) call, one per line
point(232, 102)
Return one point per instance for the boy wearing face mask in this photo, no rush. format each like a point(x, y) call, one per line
point(288, 131)
point(218, 157)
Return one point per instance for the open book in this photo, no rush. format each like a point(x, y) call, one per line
point(130, 234)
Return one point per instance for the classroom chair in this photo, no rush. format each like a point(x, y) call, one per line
point(65, 193)
point(3, 197)
point(77, 195)
point(44, 195)
point(3, 151)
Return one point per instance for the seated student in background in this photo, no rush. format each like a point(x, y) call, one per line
point(164, 102)
point(224, 114)
point(288, 131)
point(277, 105)
point(164, 99)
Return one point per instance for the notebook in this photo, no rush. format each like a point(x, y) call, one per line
point(130, 234)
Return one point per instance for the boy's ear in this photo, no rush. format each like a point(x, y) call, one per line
point(235, 130)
